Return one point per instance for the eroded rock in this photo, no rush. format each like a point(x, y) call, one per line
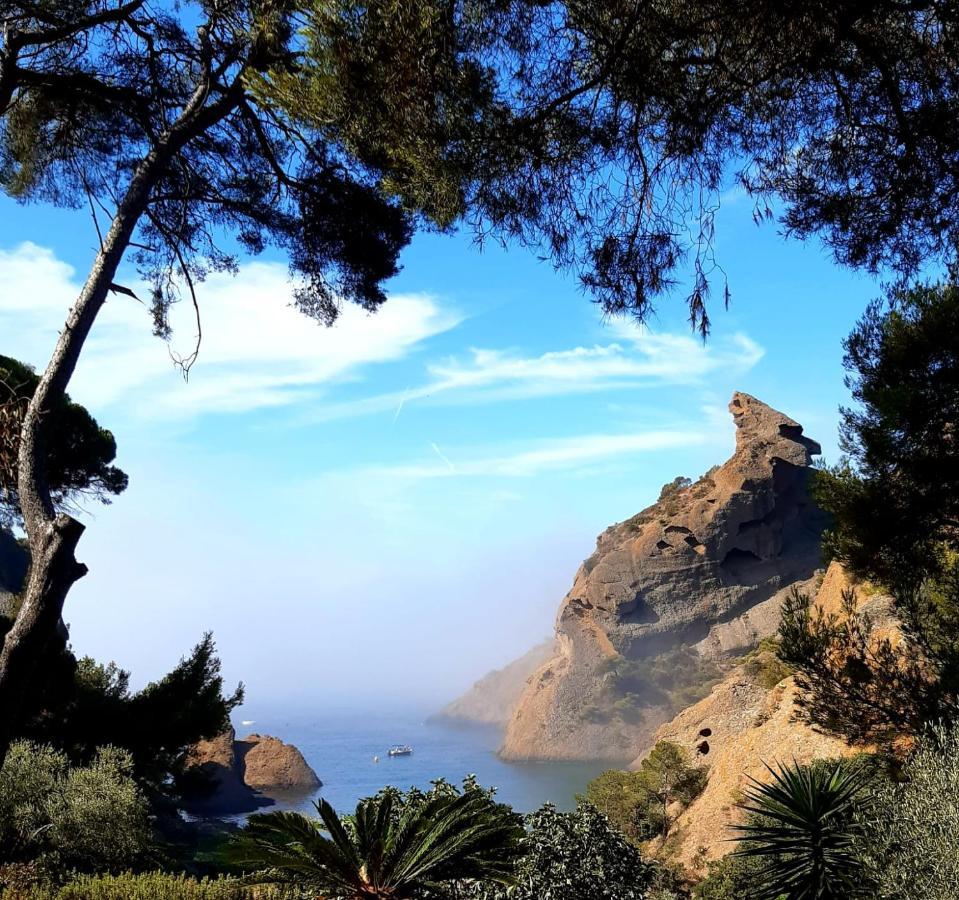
point(708, 565)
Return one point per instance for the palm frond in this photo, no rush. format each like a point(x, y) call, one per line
point(802, 824)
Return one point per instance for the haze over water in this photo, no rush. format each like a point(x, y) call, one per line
point(340, 748)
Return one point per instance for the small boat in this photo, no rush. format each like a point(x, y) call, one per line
point(401, 750)
point(376, 759)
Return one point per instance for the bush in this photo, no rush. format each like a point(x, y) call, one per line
point(90, 818)
point(912, 836)
point(764, 666)
point(642, 804)
point(574, 856)
point(729, 878)
point(151, 886)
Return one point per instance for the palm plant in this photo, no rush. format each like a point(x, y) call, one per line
point(803, 826)
point(388, 849)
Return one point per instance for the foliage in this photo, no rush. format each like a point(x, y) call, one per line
point(911, 844)
point(895, 496)
point(895, 500)
point(666, 777)
point(574, 856)
point(869, 686)
point(394, 845)
point(642, 803)
point(93, 705)
point(673, 679)
point(764, 665)
point(78, 463)
point(729, 878)
point(671, 488)
point(99, 86)
point(605, 134)
point(803, 828)
point(91, 818)
point(147, 886)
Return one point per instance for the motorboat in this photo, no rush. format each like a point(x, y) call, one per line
point(401, 750)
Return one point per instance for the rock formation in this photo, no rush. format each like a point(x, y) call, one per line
point(740, 728)
point(230, 775)
point(706, 566)
point(493, 699)
point(749, 726)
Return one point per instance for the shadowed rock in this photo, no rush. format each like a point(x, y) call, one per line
point(224, 775)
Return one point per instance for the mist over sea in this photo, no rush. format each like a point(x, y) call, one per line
point(341, 747)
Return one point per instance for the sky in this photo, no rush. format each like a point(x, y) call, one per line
point(375, 514)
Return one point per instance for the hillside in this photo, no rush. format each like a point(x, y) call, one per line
point(705, 569)
point(746, 723)
point(492, 700)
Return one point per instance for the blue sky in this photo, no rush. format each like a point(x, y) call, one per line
point(382, 511)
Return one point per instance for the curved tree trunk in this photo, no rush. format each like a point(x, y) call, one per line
point(53, 537)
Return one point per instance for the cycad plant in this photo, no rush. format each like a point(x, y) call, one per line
point(389, 849)
point(803, 826)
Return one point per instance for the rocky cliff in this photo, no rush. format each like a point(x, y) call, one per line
point(229, 775)
point(705, 567)
point(744, 724)
point(493, 699)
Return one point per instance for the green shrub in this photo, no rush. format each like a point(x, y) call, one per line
point(574, 856)
point(89, 818)
point(150, 886)
point(642, 804)
point(764, 666)
point(729, 878)
point(912, 830)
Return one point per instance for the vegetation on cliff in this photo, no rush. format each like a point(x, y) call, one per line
point(894, 500)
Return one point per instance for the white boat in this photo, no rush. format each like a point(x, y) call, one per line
point(401, 750)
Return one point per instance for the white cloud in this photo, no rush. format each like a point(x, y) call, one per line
point(257, 350)
point(638, 358)
point(558, 454)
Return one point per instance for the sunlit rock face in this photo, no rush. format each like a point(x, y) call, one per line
point(707, 566)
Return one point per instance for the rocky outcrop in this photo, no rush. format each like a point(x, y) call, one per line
point(226, 774)
point(742, 727)
point(707, 566)
point(493, 699)
point(270, 765)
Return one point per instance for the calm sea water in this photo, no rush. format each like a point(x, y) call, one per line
point(341, 749)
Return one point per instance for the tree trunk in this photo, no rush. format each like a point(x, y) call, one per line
point(53, 537)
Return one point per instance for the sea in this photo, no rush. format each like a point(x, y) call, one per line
point(343, 750)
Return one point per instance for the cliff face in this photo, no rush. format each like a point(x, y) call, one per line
point(706, 566)
point(740, 728)
point(493, 699)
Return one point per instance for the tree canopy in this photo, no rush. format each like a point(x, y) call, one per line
point(894, 500)
point(78, 463)
point(605, 135)
point(84, 705)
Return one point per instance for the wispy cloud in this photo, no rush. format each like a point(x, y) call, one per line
point(558, 454)
point(257, 350)
point(637, 358)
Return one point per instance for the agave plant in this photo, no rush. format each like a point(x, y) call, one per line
point(803, 826)
point(388, 849)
